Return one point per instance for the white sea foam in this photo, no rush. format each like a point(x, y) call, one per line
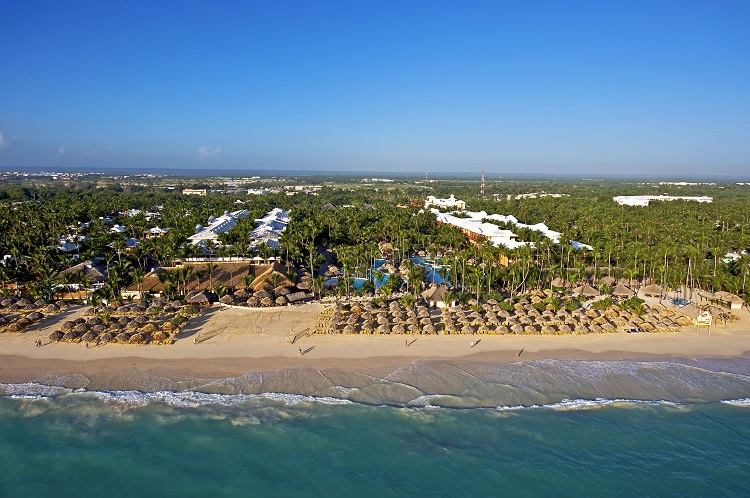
point(179, 399)
point(737, 402)
point(586, 404)
point(32, 390)
point(194, 399)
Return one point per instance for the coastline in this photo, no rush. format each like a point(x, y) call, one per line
point(249, 353)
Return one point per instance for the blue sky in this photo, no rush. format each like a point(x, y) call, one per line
point(652, 87)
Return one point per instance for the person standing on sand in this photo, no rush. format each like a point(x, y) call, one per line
point(195, 340)
point(300, 353)
point(406, 343)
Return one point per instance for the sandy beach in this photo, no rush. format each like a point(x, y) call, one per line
point(224, 342)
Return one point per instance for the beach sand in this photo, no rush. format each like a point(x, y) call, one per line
point(224, 342)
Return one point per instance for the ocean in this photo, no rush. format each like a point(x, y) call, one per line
point(692, 438)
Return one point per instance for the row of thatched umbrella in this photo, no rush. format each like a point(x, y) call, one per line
point(524, 319)
point(124, 337)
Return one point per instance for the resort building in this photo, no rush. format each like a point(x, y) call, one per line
point(268, 229)
point(194, 191)
point(451, 203)
point(643, 200)
point(155, 232)
point(222, 224)
point(476, 228)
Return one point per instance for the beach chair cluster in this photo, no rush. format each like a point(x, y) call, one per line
point(157, 323)
point(18, 314)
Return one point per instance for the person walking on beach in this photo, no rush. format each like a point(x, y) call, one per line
point(518, 353)
point(195, 340)
point(300, 353)
point(406, 343)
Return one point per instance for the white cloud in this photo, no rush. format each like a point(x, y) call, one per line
point(205, 151)
point(4, 142)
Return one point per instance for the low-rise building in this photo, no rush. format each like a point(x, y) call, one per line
point(643, 200)
point(451, 203)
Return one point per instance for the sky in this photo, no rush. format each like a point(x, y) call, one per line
point(528, 86)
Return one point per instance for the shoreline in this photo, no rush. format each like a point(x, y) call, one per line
point(234, 343)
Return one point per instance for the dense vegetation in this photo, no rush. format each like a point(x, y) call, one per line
point(672, 243)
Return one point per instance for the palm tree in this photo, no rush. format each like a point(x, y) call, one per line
point(210, 271)
point(319, 284)
point(138, 275)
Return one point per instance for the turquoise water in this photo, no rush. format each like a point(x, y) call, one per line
point(430, 428)
point(74, 443)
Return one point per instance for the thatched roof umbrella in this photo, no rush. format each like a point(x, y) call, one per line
point(350, 329)
point(81, 328)
point(429, 329)
point(581, 329)
point(98, 329)
point(595, 328)
point(227, 299)
point(531, 329)
point(266, 301)
point(468, 330)
point(609, 327)
point(549, 330)
point(70, 336)
point(123, 320)
point(122, 337)
point(106, 337)
point(137, 339)
point(253, 302)
point(160, 336)
point(565, 328)
point(262, 294)
point(620, 291)
point(585, 291)
point(517, 328)
point(89, 337)
point(148, 328)
point(51, 308)
point(56, 336)
point(34, 316)
point(398, 329)
point(282, 300)
point(607, 280)
point(383, 329)
point(502, 329)
point(382, 319)
point(450, 329)
point(483, 329)
point(652, 290)
point(493, 320)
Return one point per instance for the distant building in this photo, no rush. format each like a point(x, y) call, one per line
point(643, 200)
point(194, 191)
point(222, 224)
point(451, 203)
